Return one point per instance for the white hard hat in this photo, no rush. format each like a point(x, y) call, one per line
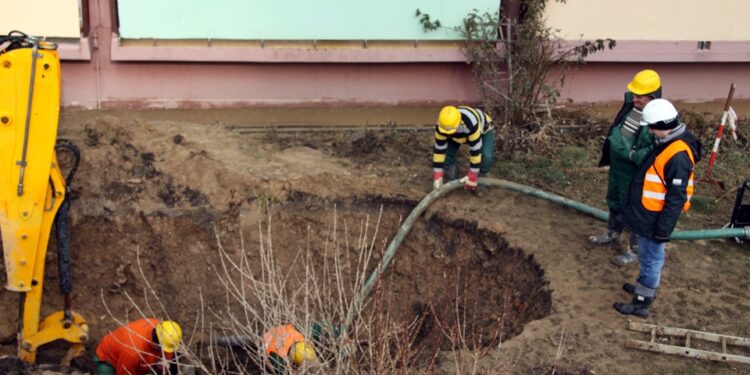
point(660, 114)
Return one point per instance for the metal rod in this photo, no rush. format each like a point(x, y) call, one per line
point(22, 162)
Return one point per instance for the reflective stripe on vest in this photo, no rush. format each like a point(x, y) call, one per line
point(279, 340)
point(654, 186)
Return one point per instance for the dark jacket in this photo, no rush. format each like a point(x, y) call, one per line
point(659, 225)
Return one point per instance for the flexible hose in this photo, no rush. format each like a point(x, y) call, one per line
point(62, 224)
point(393, 246)
point(395, 243)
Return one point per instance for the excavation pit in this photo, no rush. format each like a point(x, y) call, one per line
point(448, 276)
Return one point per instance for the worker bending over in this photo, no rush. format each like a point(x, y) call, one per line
point(141, 347)
point(458, 125)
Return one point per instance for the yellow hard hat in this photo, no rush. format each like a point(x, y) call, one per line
point(302, 351)
point(449, 119)
point(645, 82)
point(169, 334)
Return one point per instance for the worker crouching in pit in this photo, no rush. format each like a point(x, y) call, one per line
point(660, 192)
point(285, 349)
point(144, 346)
point(458, 125)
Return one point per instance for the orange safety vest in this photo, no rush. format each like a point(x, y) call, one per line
point(278, 340)
point(129, 349)
point(654, 186)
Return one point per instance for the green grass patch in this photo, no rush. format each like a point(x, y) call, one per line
point(702, 204)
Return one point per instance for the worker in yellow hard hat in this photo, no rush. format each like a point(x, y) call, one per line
point(627, 145)
point(455, 126)
point(139, 348)
point(285, 346)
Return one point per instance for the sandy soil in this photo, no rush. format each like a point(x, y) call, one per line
point(154, 188)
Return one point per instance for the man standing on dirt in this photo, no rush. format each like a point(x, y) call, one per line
point(457, 125)
point(141, 347)
point(624, 149)
point(660, 191)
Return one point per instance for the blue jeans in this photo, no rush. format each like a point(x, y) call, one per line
point(651, 257)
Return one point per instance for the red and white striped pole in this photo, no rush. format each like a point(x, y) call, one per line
point(720, 133)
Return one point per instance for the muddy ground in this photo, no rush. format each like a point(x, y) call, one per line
point(155, 188)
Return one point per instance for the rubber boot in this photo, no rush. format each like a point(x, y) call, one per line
point(629, 288)
point(605, 239)
point(628, 257)
point(637, 307)
point(451, 172)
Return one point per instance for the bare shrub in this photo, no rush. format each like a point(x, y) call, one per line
point(520, 66)
point(315, 293)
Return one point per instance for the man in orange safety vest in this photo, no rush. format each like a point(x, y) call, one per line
point(284, 343)
point(141, 347)
point(659, 193)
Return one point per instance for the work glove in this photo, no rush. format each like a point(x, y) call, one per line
point(437, 180)
point(470, 182)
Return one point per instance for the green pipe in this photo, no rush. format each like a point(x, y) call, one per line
point(528, 190)
point(710, 234)
point(703, 234)
point(390, 251)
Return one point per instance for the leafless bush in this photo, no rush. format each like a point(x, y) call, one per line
point(514, 60)
point(315, 293)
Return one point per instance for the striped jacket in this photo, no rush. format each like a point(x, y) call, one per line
point(474, 123)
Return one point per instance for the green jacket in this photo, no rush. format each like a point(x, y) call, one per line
point(625, 152)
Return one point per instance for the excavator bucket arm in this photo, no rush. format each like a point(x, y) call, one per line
point(32, 187)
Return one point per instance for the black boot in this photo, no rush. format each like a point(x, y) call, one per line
point(629, 288)
point(638, 306)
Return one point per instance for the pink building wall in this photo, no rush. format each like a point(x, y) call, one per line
point(100, 73)
point(601, 82)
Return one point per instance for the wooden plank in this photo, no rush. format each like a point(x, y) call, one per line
point(686, 352)
point(680, 332)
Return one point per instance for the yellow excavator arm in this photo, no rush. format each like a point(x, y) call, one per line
point(32, 187)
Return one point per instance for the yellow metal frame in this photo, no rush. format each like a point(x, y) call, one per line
point(32, 189)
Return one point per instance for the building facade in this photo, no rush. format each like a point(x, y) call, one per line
point(238, 53)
